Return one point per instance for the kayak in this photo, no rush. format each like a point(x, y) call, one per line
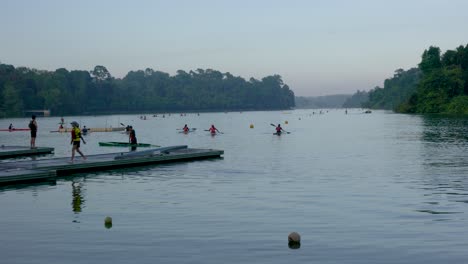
point(15, 129)
point(123, 144)
point(186, 132)
point(91, 129)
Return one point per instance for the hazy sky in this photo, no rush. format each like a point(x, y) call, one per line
point(318, 47)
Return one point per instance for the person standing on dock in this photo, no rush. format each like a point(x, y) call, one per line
point(75, 140)
point(33, 128)
point(132, 138)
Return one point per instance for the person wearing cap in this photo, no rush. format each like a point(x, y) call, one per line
point(75, 140)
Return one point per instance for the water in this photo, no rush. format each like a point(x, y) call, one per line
point(359, 188)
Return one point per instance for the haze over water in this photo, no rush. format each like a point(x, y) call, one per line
point(359, 188)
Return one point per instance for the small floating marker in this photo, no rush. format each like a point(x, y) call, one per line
point(251, 126)
point(294, 240)
point(108, 222)
point(286, 122)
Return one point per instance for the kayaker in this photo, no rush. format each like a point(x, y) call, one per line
point(10, 127)
point(85, 130)
point(186, 129)
point(33, 128)
point(213, 130)
point(279, 129)
point(75, 140)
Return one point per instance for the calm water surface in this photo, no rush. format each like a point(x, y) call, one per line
point(376, 188)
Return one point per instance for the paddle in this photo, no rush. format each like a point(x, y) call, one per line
point(216, 130)
point(281, 129)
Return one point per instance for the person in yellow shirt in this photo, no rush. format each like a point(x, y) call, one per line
point(75, 140)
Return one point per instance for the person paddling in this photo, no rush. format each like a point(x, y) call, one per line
point(10, 127)
point(279, 129)
point(186, 129)
point(213, 130)
point(75, 140)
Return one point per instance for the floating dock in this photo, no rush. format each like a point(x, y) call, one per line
point(44, 169)
point(18, 151)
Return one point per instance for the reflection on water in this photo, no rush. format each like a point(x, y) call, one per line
point(444, 160)
point(78, 200)
point(34, 187)
point(445, 129)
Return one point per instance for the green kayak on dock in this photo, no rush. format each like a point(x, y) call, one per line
point(123, 144)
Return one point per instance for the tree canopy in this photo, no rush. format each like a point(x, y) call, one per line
point(97, 91)
point(438, 85)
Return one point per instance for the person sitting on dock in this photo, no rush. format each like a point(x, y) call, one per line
point(75, 140)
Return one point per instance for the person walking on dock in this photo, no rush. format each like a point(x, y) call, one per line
point(33, 128)
point(75, 140)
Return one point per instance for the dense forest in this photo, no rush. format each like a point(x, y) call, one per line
point(396, 91)
point(356, 100)
point(438, 85)
point(81, 92)
point(325, 101)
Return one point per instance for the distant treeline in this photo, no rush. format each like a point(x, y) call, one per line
point(438, 85)
point(81, 92)
point(326, 101)
point(356, 100)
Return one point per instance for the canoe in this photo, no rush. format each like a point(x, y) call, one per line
point(15, 129)
point(122, 144)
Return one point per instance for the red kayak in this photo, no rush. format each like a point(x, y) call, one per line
point(15, 129)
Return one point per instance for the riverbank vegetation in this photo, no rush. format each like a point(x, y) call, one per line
point(438, 85)
point(92, 92)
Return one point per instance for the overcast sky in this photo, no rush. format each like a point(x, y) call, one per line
point(318, 47)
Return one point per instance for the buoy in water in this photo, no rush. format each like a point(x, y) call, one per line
point(286, 122)
point(251, 126)
point(294, 240)
point(108, 222)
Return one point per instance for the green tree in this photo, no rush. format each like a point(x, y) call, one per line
point(12, 103)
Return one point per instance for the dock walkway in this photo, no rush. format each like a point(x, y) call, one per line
point(33, 170)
